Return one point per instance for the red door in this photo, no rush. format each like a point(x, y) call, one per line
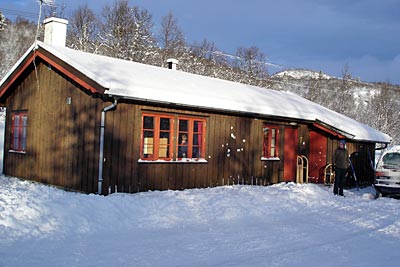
point(290, 155)
point(317, 155)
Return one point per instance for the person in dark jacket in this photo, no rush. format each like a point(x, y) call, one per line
point(183, 147)
point(340, 163)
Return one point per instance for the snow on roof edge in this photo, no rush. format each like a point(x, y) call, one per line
point(189, 81)
point(16, 65)
point(75, 64)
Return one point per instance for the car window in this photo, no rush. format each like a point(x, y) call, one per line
point(391, 159)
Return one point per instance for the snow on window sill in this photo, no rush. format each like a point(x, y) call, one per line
point(173, 161)
point(275, 158)
point(16, 151)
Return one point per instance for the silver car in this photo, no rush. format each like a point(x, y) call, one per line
point(387, 173)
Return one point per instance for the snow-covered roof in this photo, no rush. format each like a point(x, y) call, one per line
point(149, 83)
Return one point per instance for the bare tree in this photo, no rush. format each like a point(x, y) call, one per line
point(314, 88)
point(143, 47)
point(117, 29)
point(384, 111)
point(209, 51)
point(342, 100)
point(207, 60)
point(83, 29)
point(126, 31)
point(3, 23)
point(15, 39)
point(171, 38)
point(50, 9)
point(253, 62)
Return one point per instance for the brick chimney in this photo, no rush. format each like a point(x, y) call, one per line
point(55, 31)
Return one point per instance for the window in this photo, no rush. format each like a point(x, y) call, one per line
point(18, 131)
point(156, 137)
point(270, 141)
point(190, 138)
point(161, 140)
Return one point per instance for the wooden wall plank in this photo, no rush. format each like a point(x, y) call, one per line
point(72, 137)
point(211, 142)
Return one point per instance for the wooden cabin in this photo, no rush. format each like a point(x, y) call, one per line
point(92, 123)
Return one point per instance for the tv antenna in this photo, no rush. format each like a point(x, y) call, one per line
point(41, 4)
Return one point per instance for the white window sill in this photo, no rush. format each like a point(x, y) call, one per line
point(270, 159)
point(173, 161)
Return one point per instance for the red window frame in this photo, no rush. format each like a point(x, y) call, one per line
point(270, 141)
point(19, 125)
point(195, 131)
point(156, 139)
point(152, 146)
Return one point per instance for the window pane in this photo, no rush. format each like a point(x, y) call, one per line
point(24, 119)
point(23, 139)
point(197, 126)
point(265, 142)
point(148, 144)
point(270, 141)
point(148, 134)
point(16, 121)
point(15, 143)
point(164, 123)
point(164, 145)
point(272, 152)
point(148, 122)
point(197, 139)
point(19, 128)
point(391, 159)
point(183, 139)
point(197, 145)
point(16, 133)
point(183, 146)
point(183, 125)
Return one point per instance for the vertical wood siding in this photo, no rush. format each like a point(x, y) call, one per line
point(233, 154)
point(62, 140)
point(63, 143)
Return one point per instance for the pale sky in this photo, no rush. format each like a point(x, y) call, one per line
point(313, 34)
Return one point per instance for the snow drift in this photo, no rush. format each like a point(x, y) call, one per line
point(279, 225)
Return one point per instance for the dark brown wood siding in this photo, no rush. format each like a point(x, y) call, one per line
point(362, 156)
point(233, 153)
point(63, 142)
point(62, 139)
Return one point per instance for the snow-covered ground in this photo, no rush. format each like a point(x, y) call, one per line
point(279, 225)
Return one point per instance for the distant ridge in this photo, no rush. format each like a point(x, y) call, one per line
point(302, 73)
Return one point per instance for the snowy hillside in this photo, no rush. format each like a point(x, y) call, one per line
point(302, 74)
point(280, 225)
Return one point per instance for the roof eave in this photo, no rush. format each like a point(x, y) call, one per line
point(16, 70)
point(37, 51)
point(207, 109)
